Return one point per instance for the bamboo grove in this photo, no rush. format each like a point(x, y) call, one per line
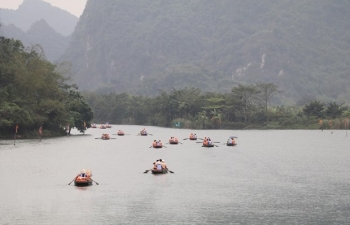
point(34, 94)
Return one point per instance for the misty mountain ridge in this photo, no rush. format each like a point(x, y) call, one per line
point(31, 11)
point(141, 47)
point(29, 24)
point(40, 33)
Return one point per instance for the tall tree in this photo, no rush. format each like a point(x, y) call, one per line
point(267, 91)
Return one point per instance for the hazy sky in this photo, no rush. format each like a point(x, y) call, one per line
point(75, 7)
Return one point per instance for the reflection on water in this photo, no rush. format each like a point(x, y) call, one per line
point(270, 177)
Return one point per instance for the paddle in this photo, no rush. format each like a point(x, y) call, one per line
point(170, 171)
point(94, 181)
point(146, 171)
point(199, 141)
point(72, 180)
point(185, 139)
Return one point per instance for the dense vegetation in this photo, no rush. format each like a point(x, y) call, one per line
point(34, 94)
point(139, 47)
point(245, 107)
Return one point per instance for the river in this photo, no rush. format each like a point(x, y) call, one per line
point(270, 177)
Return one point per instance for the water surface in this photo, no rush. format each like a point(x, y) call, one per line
point(270, 177)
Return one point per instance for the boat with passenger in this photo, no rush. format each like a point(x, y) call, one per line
point(193, 137)
point(173, 141)
point(83, 178)
point(105, 137)
point(231, 141)
point(207, 142)
point(120, 133)
point(143, 132)
point(159, 167)
point(157, 144)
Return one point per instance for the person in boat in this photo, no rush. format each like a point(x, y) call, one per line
point(159, 143)
point(158, 165)
point(209, 141)
point(229, 141)
point(162, 162)
point(233, 141)
point(143, 131)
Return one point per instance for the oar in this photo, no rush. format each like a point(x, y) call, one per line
point(164, 146)
point(185, 139)
point(170, 171)
point(72, 180)
point(216, 145)
point(199, 141)
point(180, 142)
point(150, 134)
point(146, 171)
point(97, 138)
point(94, 181)
point(216, 142)
point(151, 146)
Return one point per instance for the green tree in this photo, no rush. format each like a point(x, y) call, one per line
point(314, 108)
point(267, 91)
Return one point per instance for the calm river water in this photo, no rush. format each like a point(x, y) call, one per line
point(270, 177)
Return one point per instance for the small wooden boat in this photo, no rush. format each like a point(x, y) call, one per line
point(157, 145)
point(83, 178)
point(102, 127)
point(105, 137)
point(173, 141)
point(143, 132)
point(108, 125)
point(162, 171)
point(93, 125)
point(193, 137)
point(208, 145)
point(120, 133)
point(231, 141)
point(231, 144)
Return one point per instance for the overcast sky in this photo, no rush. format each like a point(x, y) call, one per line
point(75, 7)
